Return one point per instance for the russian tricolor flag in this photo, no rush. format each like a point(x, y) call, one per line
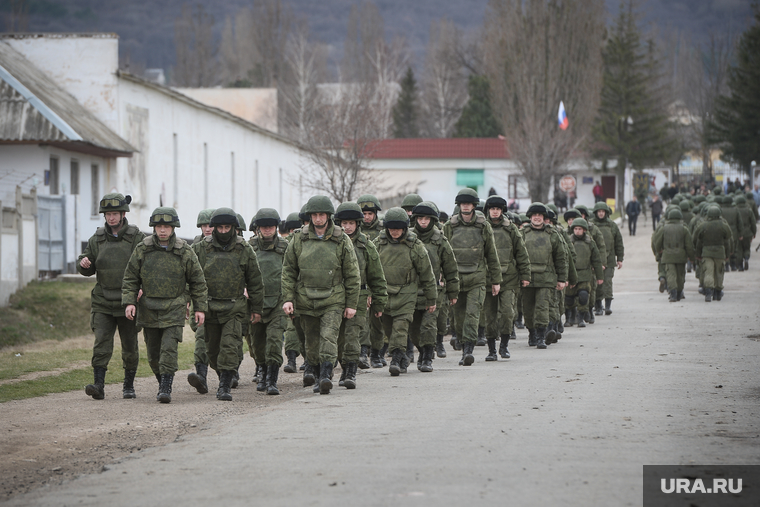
point(562, 116)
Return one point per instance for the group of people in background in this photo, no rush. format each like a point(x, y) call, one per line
point(352, 287)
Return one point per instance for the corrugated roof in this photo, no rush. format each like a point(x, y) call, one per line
point(34, 109)
point(438, 148)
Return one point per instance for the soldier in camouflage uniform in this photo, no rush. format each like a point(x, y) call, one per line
point(471, 238)
point(407, 269)
point(164, 267)
point(197, 379)
point(712, 245)
point(613, 241)
point(548, 266)
point(735, 221)
point(294, 340)
point(230, 267)
point(750, 231)
point(373, 295)
point(106, 257)
point(674, 247)
point(372, 225)
point(598, 238)
point(515, 273)
point(588, 266)
point(321, 285)
point(555, 330)
point(265, 338)
point(444, 264)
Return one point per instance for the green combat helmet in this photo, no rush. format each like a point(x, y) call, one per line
point(368, 202)
point(583, 210)
point(224, 216)
point(426, 209)
point(480, 205)
point(349, 211)
point(536, 208)
point(523, 218)
point(292, 222)
point(495, 202)
point(675, 214)
point(684, 205)
point(267, 217)
point(580, 222)
point(740, 200)
point(443, 217)
point(241, 223)
point(396, 218)
point(164, 215)
point(204, 217)
point(303, 216)
point(714, 212)
point(467, 195)
point(319, 204)
point(574, 214)
point(114, 202)
point(601, 206)
point(410, 201)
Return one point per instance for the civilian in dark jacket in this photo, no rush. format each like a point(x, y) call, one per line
point(633, 210)
point(656, 211)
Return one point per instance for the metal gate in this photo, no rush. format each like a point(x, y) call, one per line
point(51, 245)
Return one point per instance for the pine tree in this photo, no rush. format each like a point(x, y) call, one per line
point(477, 118)
point(405, 122)
point(736, 122)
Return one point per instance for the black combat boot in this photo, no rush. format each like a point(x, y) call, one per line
point(540, 337)
point(717, 294)
point(128, 391)
point(454, 342)
point(261, 385)
point(410, 350)
point(317, 372)
point(325, 378)
point(531, 337)
point(519, 321)
point(363, 359)
point(405, 363)
point(158, 377)
point(513, 336)
point(343, 371)
point(550, 336)
point(395, 367)
point(728, 267)
point(440, 351)
point(197, 379)
point(257, 374)
point(303, 365)
point(740, 264)
point(350, 381)
point(569, 318)
point(374, 358)
point(681, 295)
point(591, 319)
point(308, 376)
point(701, 290)
point(708, 295)
point(468, 358)
point(290, 366)
point(165, 391)
point(419, 358)
point(272, 373)
point(582, 318)
point(559, 328)
point(223, 393)
point(663, 284)
point(599, 310)
point(607, 303)
point(481, 337)
point(673, 296)
point(688, 266)
point(503, 350)
point(492, 350)
point(746, 263)
point(733, 264)
point(97, 388)
point(383, 352)
point(427, 359)
point(236, 378)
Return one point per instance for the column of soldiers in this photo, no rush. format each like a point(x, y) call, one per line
point(341, 287)
point(709, 235)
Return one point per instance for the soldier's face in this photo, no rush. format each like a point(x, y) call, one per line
point(206, 229)
point(113, 218)
point(349, 226)
point(600, 214)
point(163, 231)
point(369, 217)
point(223, 228)
point(494, 213)
point(578, 231)
point(570, 222)
point(319, 219)
point(268, 231)
point(396, 233)
point(537, 220)
point(423, 222)
point(466, 207)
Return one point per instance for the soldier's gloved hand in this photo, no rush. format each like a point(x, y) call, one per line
point(431, 309)
point(200, 318)
point(255, 318)
point(495, 288)
point(349, 313)
point(288, 308)
point(129, 312)
point(85, 263)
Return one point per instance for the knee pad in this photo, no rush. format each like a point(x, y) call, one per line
point(583, 297)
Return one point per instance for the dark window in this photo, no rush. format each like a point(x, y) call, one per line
point(95, 188)
point(74, 177)
point(53, 180)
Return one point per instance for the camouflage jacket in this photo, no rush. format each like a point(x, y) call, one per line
point(372, 275)
point(475, 250)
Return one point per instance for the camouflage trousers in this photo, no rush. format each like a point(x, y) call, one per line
point(377, 336)
point(605, 290)
point(712, 272)
point(265, 338)
point(294, 339)
point(321, 335)
point(675, 274)
point(349, 337)
point(536, 303)
point(442, 312)
point(500, 313)
point(572, 296)
point(396, 327)
point(467, 314)
point(224, 341)
point(200, 355)
point(424, 327)
point(744, 248)
point(104, 326)
point(162, 344)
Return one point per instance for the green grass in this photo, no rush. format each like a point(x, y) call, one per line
point(12, 366)
point(46, 311)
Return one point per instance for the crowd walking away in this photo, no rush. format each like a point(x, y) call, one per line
point(358, 287)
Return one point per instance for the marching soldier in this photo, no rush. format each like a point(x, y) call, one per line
point(588, 266)
point(197, 379)
point(613, 241)
point(674, 247)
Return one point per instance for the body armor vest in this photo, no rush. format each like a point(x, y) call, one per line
point(112, 260)
point(467, 243)
point(539, 246)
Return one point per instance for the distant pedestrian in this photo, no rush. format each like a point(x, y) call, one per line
point(656, 211)
point(598, 192)
point(633, 210)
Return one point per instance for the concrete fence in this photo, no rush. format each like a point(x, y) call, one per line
point(18, 244)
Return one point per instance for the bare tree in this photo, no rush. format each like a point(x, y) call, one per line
point(536, 54)
point(388, 63)
point(364, 31)
point(444, 84)
point(17, 17)
point(196, 51)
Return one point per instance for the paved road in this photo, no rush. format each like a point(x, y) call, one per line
point(654, 383)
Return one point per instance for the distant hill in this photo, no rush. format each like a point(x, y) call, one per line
point(146, 27)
